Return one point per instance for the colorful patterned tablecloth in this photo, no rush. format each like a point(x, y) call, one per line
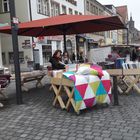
point(90, 89)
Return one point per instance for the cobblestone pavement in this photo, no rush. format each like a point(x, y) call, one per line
point(37, 119)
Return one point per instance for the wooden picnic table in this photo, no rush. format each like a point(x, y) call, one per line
point(124, 72)
point(31, 76)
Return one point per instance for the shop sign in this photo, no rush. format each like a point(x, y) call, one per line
point(26, 44)
point(55, 38)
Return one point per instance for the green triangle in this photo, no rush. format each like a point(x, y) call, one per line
point(101, 98)
point(94, 86)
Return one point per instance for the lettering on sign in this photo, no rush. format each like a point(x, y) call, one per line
point(26, 44)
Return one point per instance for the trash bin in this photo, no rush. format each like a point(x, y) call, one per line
point(37, 66)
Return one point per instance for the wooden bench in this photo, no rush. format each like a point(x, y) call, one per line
point(29, 78)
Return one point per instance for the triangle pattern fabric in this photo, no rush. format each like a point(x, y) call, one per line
point(106, 84)
point(83, 106)
point(77, 95)
point(107, 99)
point(94, 86)
point(101, 98)
point(101, 90)
point(82, 89)
point(80, 80)
point(89, 102)
point(89, 93)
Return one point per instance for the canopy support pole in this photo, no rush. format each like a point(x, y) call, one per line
point(64, 37)
point(16, 52)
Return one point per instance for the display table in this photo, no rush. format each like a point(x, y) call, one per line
point(83, 91)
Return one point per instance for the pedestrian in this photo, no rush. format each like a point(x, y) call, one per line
point(56, 60)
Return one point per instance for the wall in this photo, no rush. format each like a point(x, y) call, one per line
point(0, 53)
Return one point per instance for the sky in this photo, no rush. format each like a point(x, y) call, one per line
point(132, 5)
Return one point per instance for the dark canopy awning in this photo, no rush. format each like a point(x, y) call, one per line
point(67, 24)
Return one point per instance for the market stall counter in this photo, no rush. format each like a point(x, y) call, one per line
point(85, 88)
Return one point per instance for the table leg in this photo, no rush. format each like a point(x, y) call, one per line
point(115, 91)
point(58, 96)
point(71, 100)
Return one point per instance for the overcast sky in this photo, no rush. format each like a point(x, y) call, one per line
point(132, 5)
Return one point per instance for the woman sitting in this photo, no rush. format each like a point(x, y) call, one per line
point(56, 60)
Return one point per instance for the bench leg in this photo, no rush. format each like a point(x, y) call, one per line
point(5, 96)
point(1, 105)
point(24, 88)
point(39, 83)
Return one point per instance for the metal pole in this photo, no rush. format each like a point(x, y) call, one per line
point(16, 52)
point(64, 36)
point(115, 91)
point(127, 36)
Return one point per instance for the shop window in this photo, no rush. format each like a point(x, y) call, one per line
point(43, 7)
point(11, 57)
point(55, 8)
point(69, 47)
point(5, 6)
point(3, 58)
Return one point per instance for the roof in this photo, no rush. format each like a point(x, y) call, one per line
point(122, 10)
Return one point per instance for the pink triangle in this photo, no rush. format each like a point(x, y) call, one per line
point(110, 97)
point(89, 102)
point(72, 77)
point(82, 89)
point(107, 85)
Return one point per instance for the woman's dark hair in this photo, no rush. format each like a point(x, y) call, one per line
point(56, 52)
point(65, 52)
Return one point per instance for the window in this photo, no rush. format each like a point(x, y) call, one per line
point(5, 6)
point(70, 11)
point(64, 9)
point(96, 10)
point(87, 5)
point(11, 57)
point(55, 9)
point(3, 58)
point(43, 7)
point(76, 12)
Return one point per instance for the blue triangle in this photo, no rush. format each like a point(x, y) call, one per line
point(77, 95)
point(101, 90)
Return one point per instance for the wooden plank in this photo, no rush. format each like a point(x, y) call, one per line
point(115, 72)
point(56, 81)
point(131, 72)
point(67, 82)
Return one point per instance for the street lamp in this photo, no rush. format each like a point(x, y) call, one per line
point(14, 28)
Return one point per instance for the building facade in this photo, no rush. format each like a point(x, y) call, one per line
point(134, 33)
point(27, 10)
point(123, 12)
